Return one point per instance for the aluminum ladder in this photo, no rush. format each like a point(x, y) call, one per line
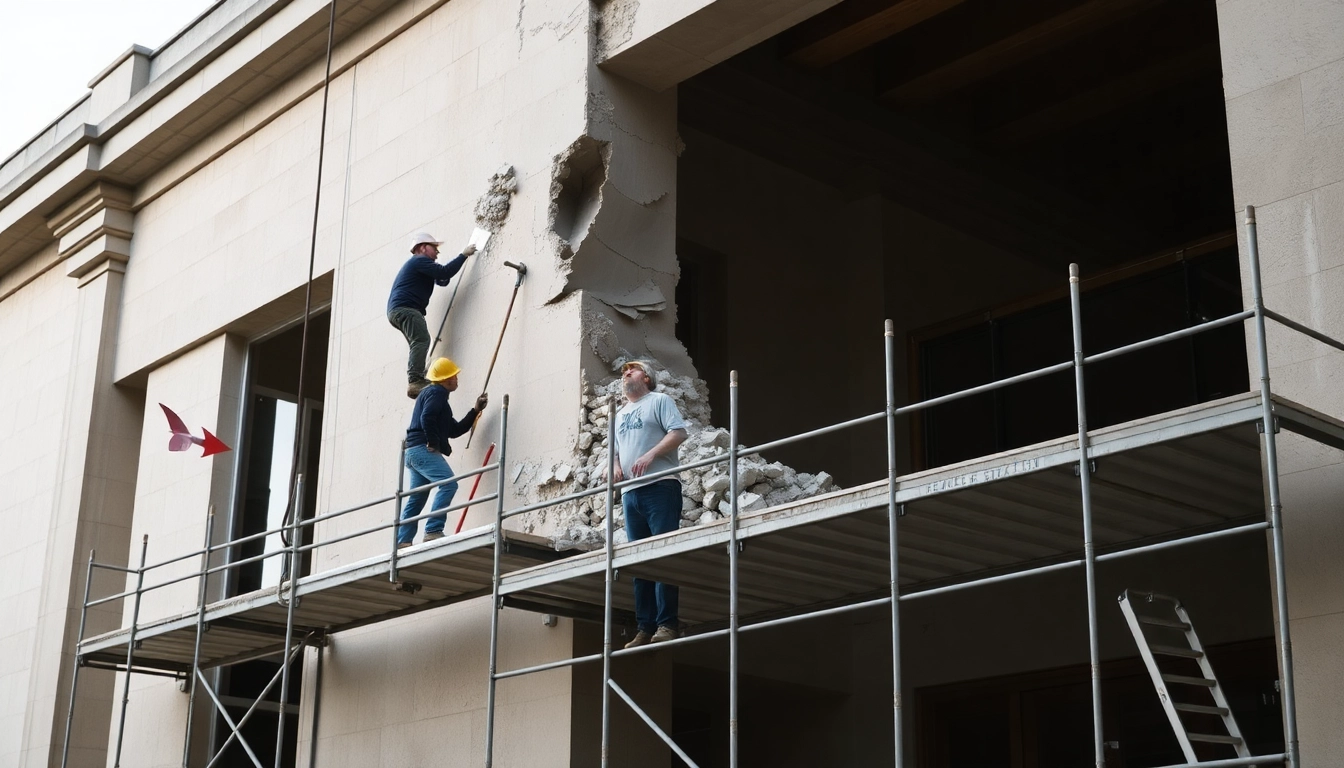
point(1168, 616)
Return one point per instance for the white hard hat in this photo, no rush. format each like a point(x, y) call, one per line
point(420, 238)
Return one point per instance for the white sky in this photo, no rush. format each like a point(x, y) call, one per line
point(51, 49)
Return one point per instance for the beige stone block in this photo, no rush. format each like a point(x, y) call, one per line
point(1312, 537)
point(1266, 138)
point(1323, 96)
point(1269, 41)
point(1328, 204)
point(351, 750)
point(1288, 240)
point(1319, 674)
point(555, 67)
point(497, 55)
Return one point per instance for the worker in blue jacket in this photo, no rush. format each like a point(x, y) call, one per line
point(427, 448)
point(410, 297)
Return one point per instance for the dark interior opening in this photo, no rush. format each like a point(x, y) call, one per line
point(277, 420)
point(934, 162)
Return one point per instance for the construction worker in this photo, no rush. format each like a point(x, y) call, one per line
point(648, 430)
point(427, 448)
point(410, 297)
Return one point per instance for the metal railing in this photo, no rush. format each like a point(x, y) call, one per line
point(292, 551)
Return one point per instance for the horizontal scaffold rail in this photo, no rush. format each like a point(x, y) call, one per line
point(1020, 501)
point(251, 625)
point(459, 567)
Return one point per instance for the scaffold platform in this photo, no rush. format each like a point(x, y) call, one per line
point(1188, 472)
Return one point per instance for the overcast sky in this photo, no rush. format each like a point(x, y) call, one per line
point(51, 49)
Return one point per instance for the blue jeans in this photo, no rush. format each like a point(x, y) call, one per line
point(426, 467)
point(649, 511)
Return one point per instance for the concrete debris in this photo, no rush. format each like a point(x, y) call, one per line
point(705, 490)
point(599, 332)
point(493, 207)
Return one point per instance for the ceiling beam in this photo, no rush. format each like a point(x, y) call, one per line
point(853, 26)
point(1122, 91)
point(1014, 48)
point(846, 143)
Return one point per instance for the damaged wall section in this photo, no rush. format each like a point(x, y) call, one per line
point(705, 490)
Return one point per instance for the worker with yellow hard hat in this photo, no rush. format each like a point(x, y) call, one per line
point(427, 448)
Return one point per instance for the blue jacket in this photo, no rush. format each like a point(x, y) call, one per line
point(415, 282)
point(432, 421)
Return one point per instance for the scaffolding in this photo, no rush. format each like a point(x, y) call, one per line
point(520, 571)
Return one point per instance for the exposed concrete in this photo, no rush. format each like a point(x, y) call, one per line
point(493, 207)
point(578, 176)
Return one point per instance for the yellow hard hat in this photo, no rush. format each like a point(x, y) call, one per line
point(441, 369)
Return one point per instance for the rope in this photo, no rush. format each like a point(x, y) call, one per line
point(308, 290)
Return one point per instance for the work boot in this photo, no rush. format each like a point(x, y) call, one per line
point(403, 545)
point(641, 638)
point(415, 387)
point(433, 536)
point(664, 634)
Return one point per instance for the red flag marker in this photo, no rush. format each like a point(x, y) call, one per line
point(182, 438)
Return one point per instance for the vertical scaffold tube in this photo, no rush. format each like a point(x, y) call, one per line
point(732, 570)
point(495, 601)
point(1085, 488)
point(74, 674)
point(317, 706)
point(392, 574)
point(285, 659)
point(893, 514)
point(130, 648)
point(609, 527)
point(200, 627)
point(1275, 500)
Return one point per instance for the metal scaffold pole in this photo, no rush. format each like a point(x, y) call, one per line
point(893, 514)
point(1089, 547)
point(317, 704)
point(74, 674)
point(396, 512)
point(286, 659)
point(130, 648)
point(732, 570)
point(496, 604)
point(200, 627)
point(610, 531)
point(1268, 428)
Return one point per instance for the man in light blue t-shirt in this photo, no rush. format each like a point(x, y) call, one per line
point(648, 430)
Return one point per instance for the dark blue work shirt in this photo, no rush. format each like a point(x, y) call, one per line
point(432, 421)
point(415, 282)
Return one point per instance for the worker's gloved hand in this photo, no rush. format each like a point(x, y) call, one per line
point(482, 401)
point(470, 249)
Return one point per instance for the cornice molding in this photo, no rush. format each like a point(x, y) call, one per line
point(94, 231)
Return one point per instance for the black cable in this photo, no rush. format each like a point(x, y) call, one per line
point(308, 291)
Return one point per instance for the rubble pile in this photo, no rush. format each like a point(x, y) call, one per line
point(705, 490)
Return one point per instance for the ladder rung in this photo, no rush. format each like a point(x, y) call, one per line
point(1210, 738)
point(1201, 709)
point(1187, 680)
point(1173, 623)
point(1171, 650)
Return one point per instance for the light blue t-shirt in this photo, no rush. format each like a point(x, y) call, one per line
point(640, 426)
